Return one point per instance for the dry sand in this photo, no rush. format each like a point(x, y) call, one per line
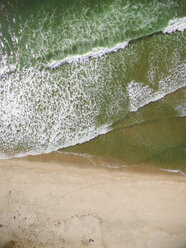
point(48, 203)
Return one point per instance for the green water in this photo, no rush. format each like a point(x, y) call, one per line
point(126, 104)
point(143, 138)
point(37, 32)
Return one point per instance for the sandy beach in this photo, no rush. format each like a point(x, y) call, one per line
point(47, 201)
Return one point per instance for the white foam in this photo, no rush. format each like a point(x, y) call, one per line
point(174, 171)
point(39, 122)
point(140, 94)
point(181, 109)
point(180, 105)
point(94, 53)
point(84, 138)
point(176, 24)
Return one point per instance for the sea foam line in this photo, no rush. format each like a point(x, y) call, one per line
point(174, 171)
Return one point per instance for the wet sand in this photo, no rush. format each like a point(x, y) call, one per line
point(64, 201)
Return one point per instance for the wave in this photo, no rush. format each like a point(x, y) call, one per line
point(95, 53)
point(177, 24)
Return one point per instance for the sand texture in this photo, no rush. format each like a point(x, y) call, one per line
point(53, 204)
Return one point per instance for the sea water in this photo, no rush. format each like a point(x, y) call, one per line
point(95, 77)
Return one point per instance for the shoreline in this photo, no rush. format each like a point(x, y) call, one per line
point(67, 158)
point(80, 160)
point(49, 202)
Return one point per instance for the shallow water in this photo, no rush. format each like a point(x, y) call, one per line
point(131, 99)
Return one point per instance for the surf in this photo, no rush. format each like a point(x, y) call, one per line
point(177, 24)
